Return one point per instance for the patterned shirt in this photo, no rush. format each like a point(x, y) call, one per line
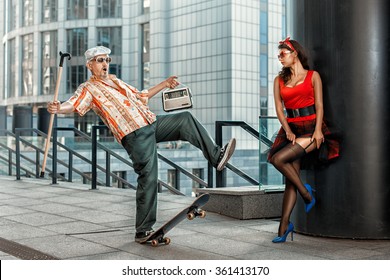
point(123, 109)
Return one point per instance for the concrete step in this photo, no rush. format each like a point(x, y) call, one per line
point(243, 202)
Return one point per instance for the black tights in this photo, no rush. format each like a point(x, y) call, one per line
point(287, 161)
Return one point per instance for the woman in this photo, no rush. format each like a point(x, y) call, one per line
point(298, 90)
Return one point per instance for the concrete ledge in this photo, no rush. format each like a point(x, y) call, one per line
point(243, 202)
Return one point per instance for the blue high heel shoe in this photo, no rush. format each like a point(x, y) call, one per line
point(309, 205)
point(281, 239)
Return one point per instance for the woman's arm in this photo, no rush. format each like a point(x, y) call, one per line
point(317, 84)
point(280, 111)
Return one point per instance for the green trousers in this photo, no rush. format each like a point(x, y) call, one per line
point(142, 149)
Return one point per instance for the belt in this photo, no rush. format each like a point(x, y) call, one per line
point(301, 112)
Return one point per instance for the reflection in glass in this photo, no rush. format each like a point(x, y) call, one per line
point(27, 64)
point(28, 13)
point(49, 59)
point(146, 55)
point(109, 8)
point(77, 9)
point(49, 10)
point(77, 44)
point(111, 37)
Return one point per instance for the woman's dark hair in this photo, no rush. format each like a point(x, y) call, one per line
point(285, 73)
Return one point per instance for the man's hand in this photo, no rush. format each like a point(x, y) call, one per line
point(171, 82)
point(53, 107)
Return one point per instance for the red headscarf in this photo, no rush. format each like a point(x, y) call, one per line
point(288, 43)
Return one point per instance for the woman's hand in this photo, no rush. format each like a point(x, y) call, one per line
point(291, 136)
point(318, 137)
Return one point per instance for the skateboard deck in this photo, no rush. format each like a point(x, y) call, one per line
point(190, 212)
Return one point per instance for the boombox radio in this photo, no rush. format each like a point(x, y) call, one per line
point(177, 99)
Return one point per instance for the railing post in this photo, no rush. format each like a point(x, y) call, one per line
point(220, 179)
point(17, 152)
point(37, 167)
point(54, 158)
point(94, 157)
point(218, 133)
point(177, 179)
point(10, 162)
point(210, 177)
point(70, 172)
point(108, 169)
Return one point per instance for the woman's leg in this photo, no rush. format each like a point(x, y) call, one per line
point(289, 200)
point(284, 160)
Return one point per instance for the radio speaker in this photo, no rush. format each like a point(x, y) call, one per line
point(177, 99)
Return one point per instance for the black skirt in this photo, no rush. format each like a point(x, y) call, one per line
point(328, 151)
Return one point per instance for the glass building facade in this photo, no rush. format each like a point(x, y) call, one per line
point(223, 50)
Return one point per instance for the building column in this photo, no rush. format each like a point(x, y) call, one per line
point(349, 45)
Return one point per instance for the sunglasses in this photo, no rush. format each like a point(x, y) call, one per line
point(101, 59)
point(283, 54)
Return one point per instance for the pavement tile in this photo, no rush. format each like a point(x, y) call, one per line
point(8, 210)
point(74, 227)
point(54, 208)
point(116, 255)
point(22, 202)
point(174, 251)
point(95, 216)
point(70, 221)
point(65, 247)
point(39, 219)
point(15, 231)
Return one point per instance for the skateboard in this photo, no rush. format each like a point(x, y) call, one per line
point(190, 212)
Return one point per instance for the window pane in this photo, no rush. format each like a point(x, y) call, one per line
point(27, 64)
point(28, 13)
point(49, 10)
point(109, 8)
point(146, 55)
point(77, 9)
point(146, 6)
point(12, 69)
point(76, 45)
point(12, 15)
point(263, 28)
point(49, 62)
point(111, 37)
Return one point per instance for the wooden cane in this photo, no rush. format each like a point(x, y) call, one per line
point(47, 147)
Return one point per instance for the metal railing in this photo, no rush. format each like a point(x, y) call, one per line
point(221, 175)
point(106, 168)
point(11, 152)
point(109, 154)
point(271, 180)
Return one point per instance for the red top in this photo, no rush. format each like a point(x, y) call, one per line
point(299, 96)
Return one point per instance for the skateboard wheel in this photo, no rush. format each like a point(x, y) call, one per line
point(167, 240)
point(190, 216)
point(202, 214)
point(154, 243)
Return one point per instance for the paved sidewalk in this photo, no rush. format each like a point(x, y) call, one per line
point(70, 221)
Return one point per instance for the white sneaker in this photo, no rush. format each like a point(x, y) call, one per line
point(226, 153)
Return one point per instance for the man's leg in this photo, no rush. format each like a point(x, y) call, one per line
point(141, 147)
point(184, 126)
